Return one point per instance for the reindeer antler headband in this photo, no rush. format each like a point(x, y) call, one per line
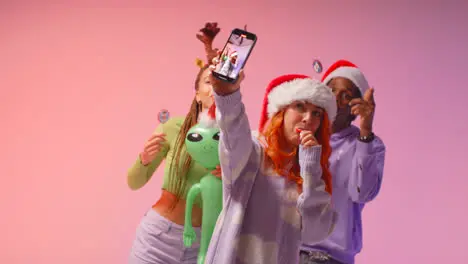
point(199, 62)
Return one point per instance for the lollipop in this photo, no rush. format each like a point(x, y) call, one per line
point(317, 66)
point(163, 116)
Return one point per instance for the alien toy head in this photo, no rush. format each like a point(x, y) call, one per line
point(202, 144)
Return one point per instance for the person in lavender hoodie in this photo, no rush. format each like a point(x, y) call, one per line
point(357, 164)
point(276, 185)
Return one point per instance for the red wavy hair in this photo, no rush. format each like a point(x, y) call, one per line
point(274, 138)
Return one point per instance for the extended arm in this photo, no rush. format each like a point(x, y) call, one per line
point(236, 145)
point(366, 171)
point(314, 204)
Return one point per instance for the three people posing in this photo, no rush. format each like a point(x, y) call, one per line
point(293, 194)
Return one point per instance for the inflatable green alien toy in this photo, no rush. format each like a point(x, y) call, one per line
point(202, 144)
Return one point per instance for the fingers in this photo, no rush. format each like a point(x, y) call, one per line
point(156, 140)
point(356, 101)
point(222, 87)
point(355, 110)
point(154, 145)
point(214, 81)
point(241, 77)
point(307, 138)
point(150, 155)
point(369, 95)
point(153, 148)
point(303, 133)
point(362, 109)
point(157, 135)
point(212, 68)
point(310, 144)
point(215, 60)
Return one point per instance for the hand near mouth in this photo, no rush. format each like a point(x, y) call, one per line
point(306, 138)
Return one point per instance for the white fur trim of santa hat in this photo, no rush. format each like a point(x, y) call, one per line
point(255, 133)
point(206, 120)
point(233, 54)
point(353, 74)
point(302, 89)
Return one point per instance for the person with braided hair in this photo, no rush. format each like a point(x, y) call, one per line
point(159, 237)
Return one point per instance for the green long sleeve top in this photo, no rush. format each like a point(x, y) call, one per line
point(139, 174)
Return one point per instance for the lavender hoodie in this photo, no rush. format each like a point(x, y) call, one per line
point(357, 170)
point(264, 219)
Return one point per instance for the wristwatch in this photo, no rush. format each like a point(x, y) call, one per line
point(367, 139)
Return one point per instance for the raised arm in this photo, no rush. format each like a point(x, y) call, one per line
point(236, 146)
point(314, 204)
point(139, 174)
point(367, 171)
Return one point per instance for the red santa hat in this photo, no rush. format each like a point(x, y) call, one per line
point(208, 117)
point(348, 70)
point(286, 89)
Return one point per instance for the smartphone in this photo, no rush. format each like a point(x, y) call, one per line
point(235, 53)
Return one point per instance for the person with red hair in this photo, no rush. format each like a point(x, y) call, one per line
point(357, 164)
point(277, 185)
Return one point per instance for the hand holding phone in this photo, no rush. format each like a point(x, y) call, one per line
point(220, 86)
point(234, 55)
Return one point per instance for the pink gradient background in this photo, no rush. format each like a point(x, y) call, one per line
point(81, 87)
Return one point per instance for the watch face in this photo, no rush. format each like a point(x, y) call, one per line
point(163, 116)
point(367, 138)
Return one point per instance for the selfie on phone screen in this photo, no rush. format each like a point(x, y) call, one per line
point(234, 55)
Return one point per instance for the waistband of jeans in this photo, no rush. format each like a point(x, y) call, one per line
point(155, 217)
point(316, 255)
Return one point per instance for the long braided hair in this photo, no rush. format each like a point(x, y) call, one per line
point(180, 161)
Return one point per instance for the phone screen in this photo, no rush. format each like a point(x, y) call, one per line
point(234, 55)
